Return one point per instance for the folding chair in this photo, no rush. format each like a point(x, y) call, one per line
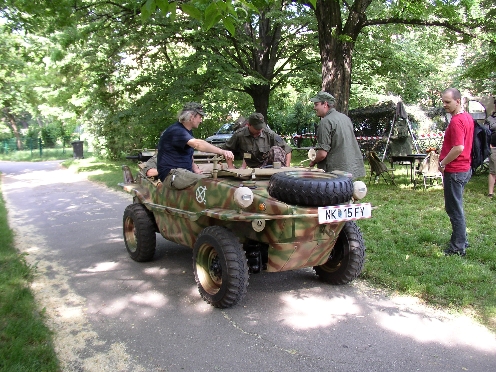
point(429, 170)
point(379, 168)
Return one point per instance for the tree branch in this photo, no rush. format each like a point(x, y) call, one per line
point(458, 28)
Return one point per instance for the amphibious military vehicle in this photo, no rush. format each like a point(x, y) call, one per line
point(243, 221)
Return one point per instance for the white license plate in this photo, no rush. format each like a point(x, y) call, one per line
point(347, 212)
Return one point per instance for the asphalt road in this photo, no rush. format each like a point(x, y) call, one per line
point(110, 313)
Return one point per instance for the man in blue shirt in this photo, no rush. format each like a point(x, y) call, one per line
point(177, 144)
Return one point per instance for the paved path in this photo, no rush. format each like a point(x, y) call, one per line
point(113, 314)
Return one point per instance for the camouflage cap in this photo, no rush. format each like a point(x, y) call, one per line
point(323, 96)
point(256, 120)
point(193, 106)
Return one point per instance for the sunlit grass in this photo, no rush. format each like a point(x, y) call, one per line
point(35, 154)
point(106, 172)
point(406, 237)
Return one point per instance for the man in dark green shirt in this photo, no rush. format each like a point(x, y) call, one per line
point(337, 147)
point(256, 143)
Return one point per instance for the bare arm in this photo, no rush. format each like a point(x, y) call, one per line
point(321, 155)
point(204, 146)
point(288, 159)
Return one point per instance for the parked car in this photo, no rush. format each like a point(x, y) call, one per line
point(243, 221)
point(223, 134)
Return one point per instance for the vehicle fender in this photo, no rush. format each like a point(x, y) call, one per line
point(136, 190)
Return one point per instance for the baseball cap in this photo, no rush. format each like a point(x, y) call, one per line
point(323, 96)
point(256, 120)
point(193, 106)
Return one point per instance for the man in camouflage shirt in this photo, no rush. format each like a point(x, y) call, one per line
point(258, 145)
point(150, 167)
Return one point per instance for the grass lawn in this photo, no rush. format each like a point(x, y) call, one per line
point(406, 237)
point(57, 153)
point(25, 341)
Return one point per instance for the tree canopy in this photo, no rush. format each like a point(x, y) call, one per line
point(122, 69)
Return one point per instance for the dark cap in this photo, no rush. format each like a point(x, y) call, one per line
point(193, 106)
point(256, 120)
point(323, 96)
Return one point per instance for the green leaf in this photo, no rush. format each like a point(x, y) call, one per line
point(231, 10)
point(192, 11)
point(147, 10)
point(259, 3)
point(145, 14)
point(164, 5)
point(222, 6)
point(210, 22)
point(173, 11)
point(212, 11)
point(251, 7)
point(150, 6)
point(229, 25)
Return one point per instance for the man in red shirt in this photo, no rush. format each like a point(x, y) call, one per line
point(454, 163)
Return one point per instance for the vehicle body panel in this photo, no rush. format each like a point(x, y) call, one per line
point(293, 235)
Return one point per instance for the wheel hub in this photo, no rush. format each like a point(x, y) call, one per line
point(214, 268)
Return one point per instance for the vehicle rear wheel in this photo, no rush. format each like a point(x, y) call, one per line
point(220, 267)
point(346, 260)
point(139, 232)
point(312, 189)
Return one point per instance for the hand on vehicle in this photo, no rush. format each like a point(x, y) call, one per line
point(197, 169)
point(228, 155)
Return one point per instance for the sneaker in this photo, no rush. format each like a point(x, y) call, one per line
point(489, 195)
point(449, 252)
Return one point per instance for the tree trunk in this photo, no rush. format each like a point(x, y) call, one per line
point(13, 126)
point(336, 44)
point(260, 95)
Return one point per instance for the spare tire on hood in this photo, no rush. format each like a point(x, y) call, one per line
point(313, 189)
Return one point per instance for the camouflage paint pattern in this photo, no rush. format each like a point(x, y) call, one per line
point(294, 236)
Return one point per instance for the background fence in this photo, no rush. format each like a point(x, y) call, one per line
point(33, 148)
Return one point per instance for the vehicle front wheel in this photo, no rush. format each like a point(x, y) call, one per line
point(220, 267)
point(346, 260)
point(139, 229)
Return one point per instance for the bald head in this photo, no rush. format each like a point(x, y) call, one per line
point(455, 93)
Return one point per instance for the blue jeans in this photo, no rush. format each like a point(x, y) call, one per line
point(454, 184)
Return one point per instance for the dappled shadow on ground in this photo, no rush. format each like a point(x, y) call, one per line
point(106, 308)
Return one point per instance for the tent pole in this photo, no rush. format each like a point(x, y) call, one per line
point(387, 142)
point(411, 135)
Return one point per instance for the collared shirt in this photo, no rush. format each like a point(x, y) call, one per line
point(336, 136)
point(254, 149)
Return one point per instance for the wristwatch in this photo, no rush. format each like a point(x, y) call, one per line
point(441, 165)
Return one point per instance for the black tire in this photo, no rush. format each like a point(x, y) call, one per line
point(139, 229)
point(347, 258)
point(312, 189)
point(220, 267)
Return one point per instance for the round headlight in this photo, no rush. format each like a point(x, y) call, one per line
point(359, 190)
point(243, 196)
